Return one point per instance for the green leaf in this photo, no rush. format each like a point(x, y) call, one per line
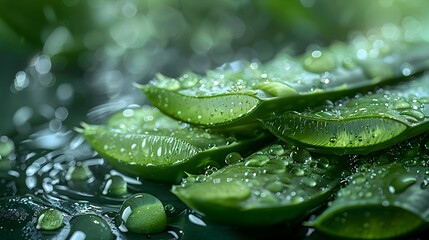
point(277, 184)
point(359, 125)
point(386, 197)
point(240, 92)
point(144, 142)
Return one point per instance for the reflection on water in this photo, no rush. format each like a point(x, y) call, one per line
point(55, 169)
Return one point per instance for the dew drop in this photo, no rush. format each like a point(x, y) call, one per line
point(170, 209)
point(115, 186)
point(309, 182)
point(300, 155)
point(83, 226)
point(256, 160)
point(298, 172)
point(276, 89)
point(142, 213)
point(79, 172)
point(6, 146)
point(413, 115)
point(401, 183)
point(319, 61)
point(49, 219)
point(402, 104)
point(233, 157)
point(276, 149)
point(275, 166)
point(275, 186)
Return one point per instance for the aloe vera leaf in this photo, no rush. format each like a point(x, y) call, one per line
point(240, 92)
point(146, 143)
point(359, 125)
point(278, 184)
point(387, 197)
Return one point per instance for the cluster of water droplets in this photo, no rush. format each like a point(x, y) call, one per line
point(68, 189)
point(278, 175)
point(389, 178)
point(368, 56)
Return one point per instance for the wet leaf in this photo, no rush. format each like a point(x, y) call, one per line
point(144, 142)
point(277, 184)
point(240, 92)
point(359, 125)
point(383, 199)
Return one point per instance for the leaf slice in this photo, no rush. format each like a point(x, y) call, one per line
point(280, 183)
point(386, 197)
point(240, 92)
point(359, 125)
point(146, 143)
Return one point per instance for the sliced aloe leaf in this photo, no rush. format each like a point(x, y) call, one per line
point(382, 200)
point(146, 143)
point(359, 125)
point(280, 183)
point(241, 92)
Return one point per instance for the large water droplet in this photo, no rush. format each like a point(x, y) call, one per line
point(300, 155)
point(142, 213)
point(309, 182)
point(49, 219)
point(275, 186)
point(79, 172)
point(88, 225)
point(256, 160)
point(276, 89)
point(318, 61)
point(401, 183)
point(413, 115)
point(233, 157)
point(275, 166)
point(115, 186)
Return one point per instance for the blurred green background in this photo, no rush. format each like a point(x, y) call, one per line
point(66, 61)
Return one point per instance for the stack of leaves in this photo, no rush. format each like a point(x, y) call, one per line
point(341, 130)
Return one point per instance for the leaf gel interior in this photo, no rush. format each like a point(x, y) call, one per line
point(385, 197)
point(361, 124)
point(146, 143)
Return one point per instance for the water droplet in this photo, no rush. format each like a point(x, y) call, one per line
point(79, 172)
point(188, 80)
point(297, 199)
point(424, 184)
point(6, 146)
point(275, 166)
point(210, 171)
point(348, 63)
point(319, 61)
point(275, 186)
point(49, 219)
point(115, 186)
point(359, 179)
point(413, 115)
point(402, 104)
point(233, 158)
point(142, 213)
point(401, 183)
point(300, 155)
point(84, 226)
point(298, 172)
point(309, 182)
point(256, 160)
point(276, 89)
point(276, 149)
point(170, 210)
